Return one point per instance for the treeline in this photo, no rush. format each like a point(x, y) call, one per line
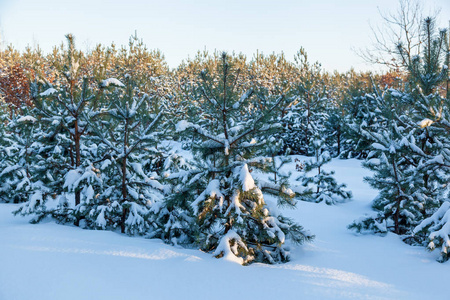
point(86, 138)
point(305, 83)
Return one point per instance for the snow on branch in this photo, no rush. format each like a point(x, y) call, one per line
point(48, 92)
point(112, 81)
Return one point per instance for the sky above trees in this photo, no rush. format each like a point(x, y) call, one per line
point(329, 30)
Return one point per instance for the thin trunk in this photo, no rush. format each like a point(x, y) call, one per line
point(77, 137)
point(72, 160)
point(214, 164)
point(448, 62)
point(339, 142)
point(397, 206)
point(275, 168)
point(224, 115)
point(124, 177)
point(77, 158)
point(308, 109)
point(229, 223)
point(318, 170)
point(397, 217)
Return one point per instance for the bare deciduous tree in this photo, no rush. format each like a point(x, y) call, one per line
point(402, 27)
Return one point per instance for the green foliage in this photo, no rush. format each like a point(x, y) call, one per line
point(232, 217)
point(426, 70)
point(321, 186)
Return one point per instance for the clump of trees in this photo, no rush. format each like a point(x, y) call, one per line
point(408, 148)
point(87, 139)
point(91, 150)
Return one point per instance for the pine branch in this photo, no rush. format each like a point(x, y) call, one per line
point(257, 121)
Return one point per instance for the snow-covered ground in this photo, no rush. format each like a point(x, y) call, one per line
point(50, 261)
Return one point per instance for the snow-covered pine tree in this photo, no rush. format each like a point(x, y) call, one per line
point(334, 128)
point(432, 150)
point(321, 186)
point(63, 171)
point(7, 158)
point(432, 119)
point(427, 69)
point(401, 202)
point(434, 231)
point(430, 114)
point(128, 150)
point(363, 111)
point(306, 113)
point(188, 95)
point(233, 219)
point(410, 154)
point(146, 67)
point(49, 161)
point(277, 176)
point(174, 219)
point(16, 148)
point(5, 154)
point(354, 103)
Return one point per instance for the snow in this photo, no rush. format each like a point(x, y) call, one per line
point(9, 169)
point(440, 219)
point(101, 221)
point(246, 179)
point(89, 194)
point(182, 125)
point(26, 119)
point(49, 261)
point(228, 252)
point(378, 146)
point(211, 191)
point(71, 178)
point(243, 98)
point(112, 81)
point(105, 164)
point(57, 150)
point(235, 204)
point(48, 92)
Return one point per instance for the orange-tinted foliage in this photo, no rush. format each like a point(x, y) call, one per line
point(391, 79)
point(15, 86)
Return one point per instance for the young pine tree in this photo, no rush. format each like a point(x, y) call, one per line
point(127, 136)
point(321, 186)
point(402, 200)
point(233, 218)
point(63, 154)
point(410, 153)
point(16, 149)
point(306, 113)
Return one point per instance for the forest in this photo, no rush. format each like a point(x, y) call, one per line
point(86, 138)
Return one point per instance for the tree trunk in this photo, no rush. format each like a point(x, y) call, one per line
point(339, 141)
point(123, 219)
point(397, 217)
point(448, 63)
point(308, 108)
point(397, 207)
point(124, 178)
point(77, 137)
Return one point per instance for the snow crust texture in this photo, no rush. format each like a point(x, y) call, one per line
point(63, 262)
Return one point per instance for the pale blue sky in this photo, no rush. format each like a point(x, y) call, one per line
point(327, 29)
